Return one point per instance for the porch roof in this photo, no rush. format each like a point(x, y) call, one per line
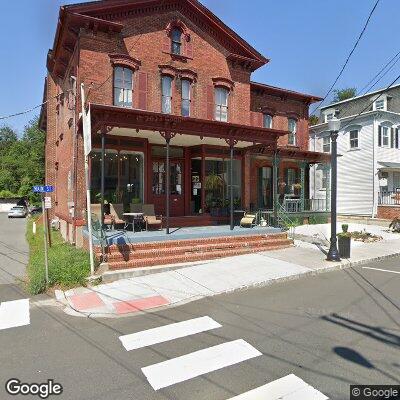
point(107, 117)
point(312, 157)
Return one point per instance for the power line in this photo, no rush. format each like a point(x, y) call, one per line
point(371, 103)
point(348, 57)
point(381, 77)
point(33, 108)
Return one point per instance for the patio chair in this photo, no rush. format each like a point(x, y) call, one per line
point(248, 221)
point(152, 220)
point(96, 209)
point(117, 214)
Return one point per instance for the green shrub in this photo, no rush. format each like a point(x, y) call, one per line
point(318, 219)
point(6, 194)
point(68, 266)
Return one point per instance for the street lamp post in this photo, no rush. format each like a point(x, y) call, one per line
point(333, 126)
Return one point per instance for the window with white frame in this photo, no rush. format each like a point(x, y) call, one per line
point(329, 116)
point(380, 104)
point(221, 104)
point(267, 121)
point(166, 101)
point(354, 139)
point(186, 85)
point(325, 178)
point(384, 142)
point(123, 78)
point(292, 127)
point(326, 144)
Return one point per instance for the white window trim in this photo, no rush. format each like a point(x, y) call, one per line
point(294, 133)
point(358, 139)
point(381, 98)
point(331, 111)
point(385, 146)
point(330, 144)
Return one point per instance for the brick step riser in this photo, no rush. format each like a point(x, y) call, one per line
point(189, 258)
point(189, 242)
point(154, 253)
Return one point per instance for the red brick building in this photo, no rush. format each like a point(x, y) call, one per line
point(158, 71)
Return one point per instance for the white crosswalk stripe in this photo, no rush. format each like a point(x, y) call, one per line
point(188, 366)
point(14, 313)
point(289, 387)
point(168, 332)
point(201, 362)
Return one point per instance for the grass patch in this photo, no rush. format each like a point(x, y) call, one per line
point(68, 265)
point(318, 219)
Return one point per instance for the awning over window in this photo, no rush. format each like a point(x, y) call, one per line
point(388, 165)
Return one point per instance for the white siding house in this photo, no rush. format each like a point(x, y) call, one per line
point(368, 162)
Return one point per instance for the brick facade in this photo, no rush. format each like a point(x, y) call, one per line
point(89, 40)
point(388, 212)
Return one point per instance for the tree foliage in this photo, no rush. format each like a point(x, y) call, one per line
point(21, 160)
point(344, 94)
point(313, 120)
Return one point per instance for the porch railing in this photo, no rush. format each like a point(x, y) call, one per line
point(295, 206)
point(388, 198)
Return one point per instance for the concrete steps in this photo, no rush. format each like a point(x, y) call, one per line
point(179, 251)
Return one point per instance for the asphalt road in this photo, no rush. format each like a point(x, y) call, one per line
point(331, 330)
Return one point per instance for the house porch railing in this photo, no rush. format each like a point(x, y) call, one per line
point(389, 198)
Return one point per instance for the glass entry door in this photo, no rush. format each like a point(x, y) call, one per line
point(265, 192)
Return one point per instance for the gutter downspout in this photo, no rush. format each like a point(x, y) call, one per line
point(74, 163)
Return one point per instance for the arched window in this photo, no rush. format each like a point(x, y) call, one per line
point(267, 121)
point(292, 128)
point(176, 41)
point(123, 87)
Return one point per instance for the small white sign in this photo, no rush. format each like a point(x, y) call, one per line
point(47, 203)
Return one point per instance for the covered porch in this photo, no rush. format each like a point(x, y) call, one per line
point(196, 172)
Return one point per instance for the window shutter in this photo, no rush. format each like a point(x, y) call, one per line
point(167, 44)
point(210, 102)
point(392, 138)
point(380, 136)
point(189, 49)
point(142, 89)
point(397, 138)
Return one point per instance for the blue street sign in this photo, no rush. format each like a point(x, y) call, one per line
point(43, 189)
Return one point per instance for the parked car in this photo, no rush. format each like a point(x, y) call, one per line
point(18, 212)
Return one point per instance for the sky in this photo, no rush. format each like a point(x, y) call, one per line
point(307, 42)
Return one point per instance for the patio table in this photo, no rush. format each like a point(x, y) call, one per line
point(134, 219)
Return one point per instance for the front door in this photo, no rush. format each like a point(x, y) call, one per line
point(177, 198)
point(265, 192)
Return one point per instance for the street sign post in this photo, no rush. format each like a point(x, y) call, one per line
point(46, 204)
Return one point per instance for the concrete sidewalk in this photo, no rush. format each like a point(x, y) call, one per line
point(189, 283)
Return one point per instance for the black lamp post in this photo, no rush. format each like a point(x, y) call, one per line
point(333, 126)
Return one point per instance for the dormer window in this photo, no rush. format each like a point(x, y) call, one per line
point(380, 104)
point(176, 41)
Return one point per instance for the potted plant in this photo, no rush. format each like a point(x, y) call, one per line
point(214, 184)
point(344, 241)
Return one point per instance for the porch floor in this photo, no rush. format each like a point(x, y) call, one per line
point(120, 237)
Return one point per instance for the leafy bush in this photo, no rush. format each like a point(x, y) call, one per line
point(6, 194)
point(318, 219)
point(68, 266)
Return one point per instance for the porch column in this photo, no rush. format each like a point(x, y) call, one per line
point(303, 166)
point(275, 173)
point(102, 183)
point(231, 143)
point(167, 136)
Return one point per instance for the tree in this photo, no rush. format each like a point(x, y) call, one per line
point(21, 160)
point(313, 120)
point(344, 94)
